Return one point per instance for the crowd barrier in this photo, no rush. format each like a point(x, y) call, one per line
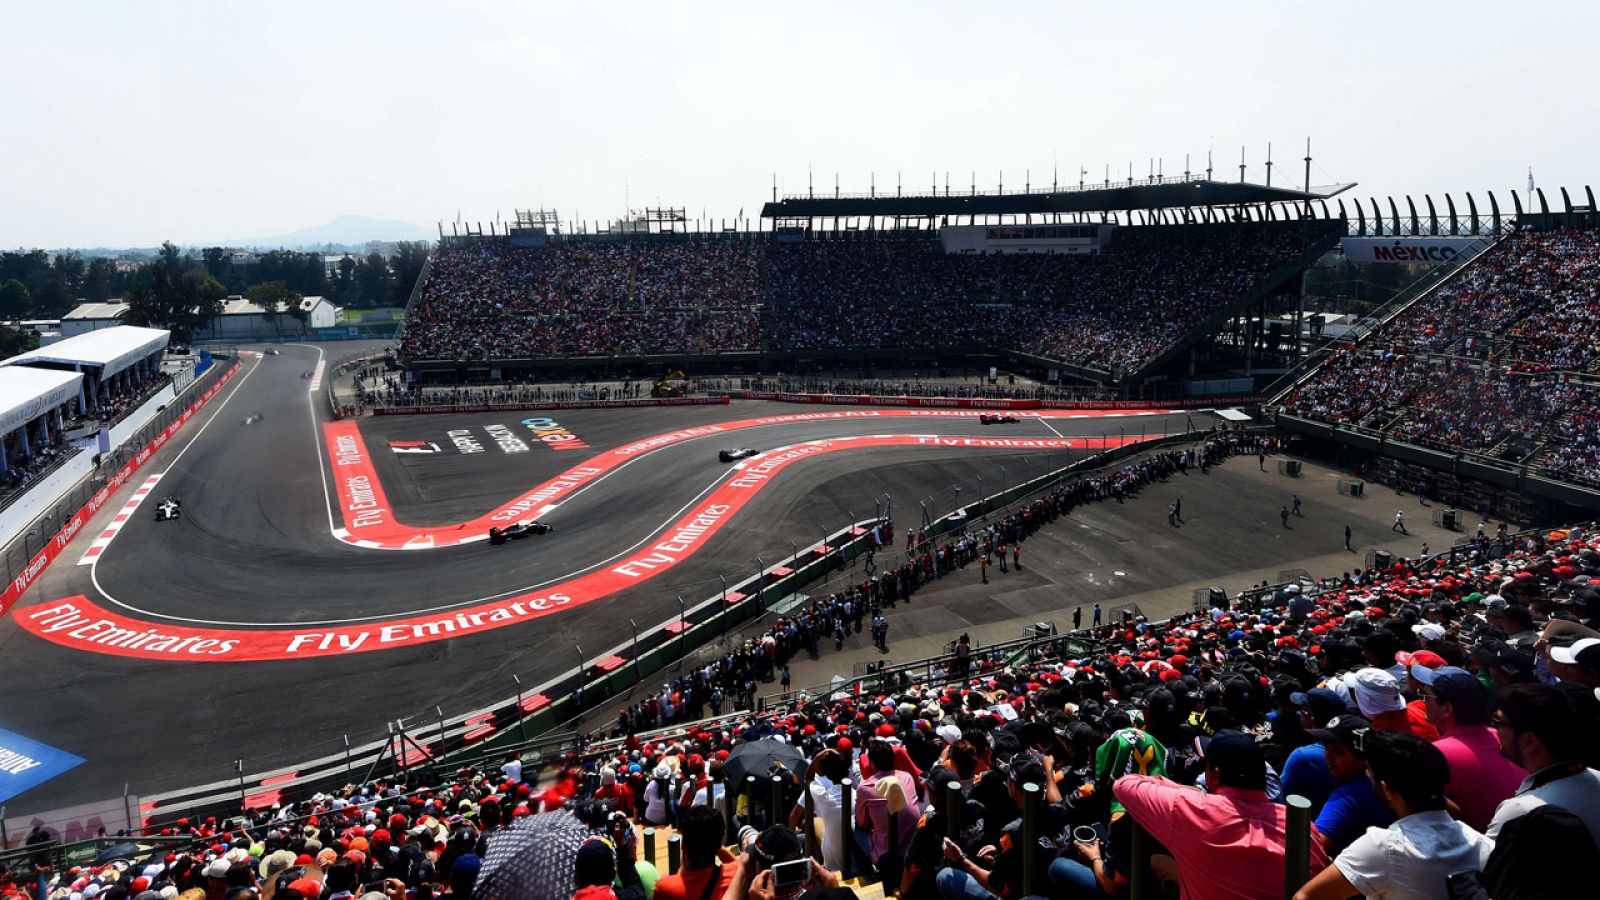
point(75, 523)
point(551, 404)
point(994, 402)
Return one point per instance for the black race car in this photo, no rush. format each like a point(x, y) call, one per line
point(996, 419)
point(518, 530)
point(168, 508)
point(736, 453)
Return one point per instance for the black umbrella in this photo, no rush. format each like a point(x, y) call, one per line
point(760, 758)
point(124, 850)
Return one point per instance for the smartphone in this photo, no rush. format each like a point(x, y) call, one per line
point(791, 873)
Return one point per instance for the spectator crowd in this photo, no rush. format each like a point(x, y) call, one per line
point(1114, 311)
point(1504, 349)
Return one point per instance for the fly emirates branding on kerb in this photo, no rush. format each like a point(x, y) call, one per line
point(546, 431)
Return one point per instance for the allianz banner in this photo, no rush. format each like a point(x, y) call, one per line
point(1426, 251)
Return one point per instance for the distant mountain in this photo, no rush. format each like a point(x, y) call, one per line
point(354, 230)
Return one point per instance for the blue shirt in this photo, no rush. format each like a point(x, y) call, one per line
point(1305, 772)
point(1351, 809)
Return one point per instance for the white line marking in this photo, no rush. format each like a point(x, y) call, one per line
point(114, 527)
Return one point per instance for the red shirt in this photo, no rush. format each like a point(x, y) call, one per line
point(1229, 844)
point(690, 884)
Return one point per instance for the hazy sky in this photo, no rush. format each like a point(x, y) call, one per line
point(129, 123)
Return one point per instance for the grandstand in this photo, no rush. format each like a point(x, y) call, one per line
point(1121, 286)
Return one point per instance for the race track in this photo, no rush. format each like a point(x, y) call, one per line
point(282, 610)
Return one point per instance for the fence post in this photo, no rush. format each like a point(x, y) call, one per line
point(749, 800)
point(808, 828)
point(1297, 845)
point(775, 807)
point(674, 853)
point(1139, 874)
point(650, 845)
point(846, 830)
point(953, 807)
point(1030, 834)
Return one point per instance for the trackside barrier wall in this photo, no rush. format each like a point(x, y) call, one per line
point(993, 403)
point(27, 557)
point(551, 404)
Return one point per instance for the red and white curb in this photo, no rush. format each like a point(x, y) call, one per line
point(316, 375)
point(120, 519)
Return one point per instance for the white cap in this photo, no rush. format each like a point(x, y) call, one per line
point(1429, 631)
point(1377, 692)
point(1569, 655)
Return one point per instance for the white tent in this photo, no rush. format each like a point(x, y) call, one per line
point(111, 350)
point(27, 393)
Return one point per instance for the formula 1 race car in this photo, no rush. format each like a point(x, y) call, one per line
point(996, 419)
point(518, 530)
point(168, 508)
point(736, 453)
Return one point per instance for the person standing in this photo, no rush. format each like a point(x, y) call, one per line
point(1347, 540)
point(1177, 508)
point(1283, 513)
point(1172, 514)
point(983, 568)
point(784, 678)
point(1296, 510)
point(1097, 615)
point(1077, 619)
point(1016, 557)
point(1399, 522)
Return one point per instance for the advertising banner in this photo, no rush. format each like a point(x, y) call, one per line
point(1426, 251)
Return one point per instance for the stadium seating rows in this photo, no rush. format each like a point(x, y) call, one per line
point(1112, 312)
point(1489, 356)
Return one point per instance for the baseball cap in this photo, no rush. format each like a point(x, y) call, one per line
point(1235, 754)
point(1321, 703)
point(1425, 658)
point(1457, 686)
point(1430, 675)
point(1376, 692)
point(1429, 631)
point(1584, 652)
point(1346, 730)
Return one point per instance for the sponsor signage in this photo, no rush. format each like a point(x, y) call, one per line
point(26, 763)
point(79, 623)
point(570, 404)
point(1426, 251)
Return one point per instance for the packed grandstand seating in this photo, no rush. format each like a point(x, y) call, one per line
point(1452, 698)
point(1503, 350)
point(1112, 312)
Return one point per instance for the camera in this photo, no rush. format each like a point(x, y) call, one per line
point(791, 873)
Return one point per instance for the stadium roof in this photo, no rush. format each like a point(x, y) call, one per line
point(1153, 194)
point(27, 393)
point(98, 309)
point(109, 349)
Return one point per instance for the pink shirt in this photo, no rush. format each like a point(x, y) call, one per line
point(1228, 844)
point(1479, 776)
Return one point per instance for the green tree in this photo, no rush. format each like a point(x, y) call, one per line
point(16, 340)
point(372, 275)
point(217, 261)
point(183, 304)
point(100, 280)
point(15, 299)
point(275, 297)
point(409, 258)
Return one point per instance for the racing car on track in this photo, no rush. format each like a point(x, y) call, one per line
point(996, 419)
point(168, 508)
point(736, 453)
point(519, 530)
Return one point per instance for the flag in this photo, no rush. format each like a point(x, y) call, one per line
point(1530, 179)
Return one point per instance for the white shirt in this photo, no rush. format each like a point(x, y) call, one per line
point(513, 770)
point(825, 796)
point(1413, 857)
point(1578, 794)
point(701, 798)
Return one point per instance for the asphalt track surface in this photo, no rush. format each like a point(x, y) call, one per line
point(256, 548)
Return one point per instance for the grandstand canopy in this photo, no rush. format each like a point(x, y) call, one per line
point(27, 393)
point(110, 349)
point(1153, 194)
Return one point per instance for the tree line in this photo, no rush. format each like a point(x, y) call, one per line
point(183, 291)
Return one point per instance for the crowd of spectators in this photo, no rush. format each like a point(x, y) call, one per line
point(1486, 357)
point(1113, 311)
